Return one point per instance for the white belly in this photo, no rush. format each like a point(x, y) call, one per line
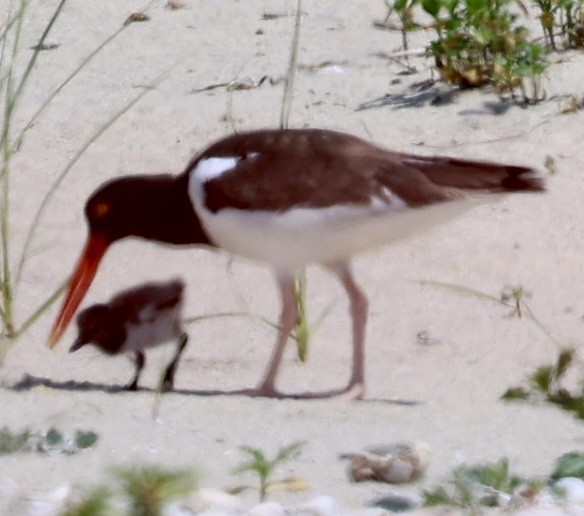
point(148, 334)
point(298, 237)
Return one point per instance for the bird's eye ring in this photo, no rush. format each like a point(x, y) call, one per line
point(101, 209)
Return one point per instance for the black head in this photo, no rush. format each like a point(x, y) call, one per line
point(97, 325)
point(155, 207)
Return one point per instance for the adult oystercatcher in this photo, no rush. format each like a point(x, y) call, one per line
point(135, 320)
point(291, 198)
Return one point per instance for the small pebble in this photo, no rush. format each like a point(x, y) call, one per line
point(319, 506)
point(572, 488)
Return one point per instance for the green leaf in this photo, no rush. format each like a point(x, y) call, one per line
point(400, 5)
point(432, 7)
point(54, 438)
point(285, 453)
point(84, 440)
point(11, 442)
point(515, 393)
point(542, 378)
point(437, 496)
point(565, 359)
point(569, 465)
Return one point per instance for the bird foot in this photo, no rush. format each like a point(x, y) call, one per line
point(354, 391)
point(131, 387)
point(167, 383)
point(167, 386)
point(264, 391)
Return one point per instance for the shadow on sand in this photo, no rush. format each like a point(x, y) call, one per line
point(29, 382)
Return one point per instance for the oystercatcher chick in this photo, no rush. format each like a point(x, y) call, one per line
point(135, 320)
point(290, 198)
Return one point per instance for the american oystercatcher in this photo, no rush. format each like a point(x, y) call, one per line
point(291, 198)
point(135, 320)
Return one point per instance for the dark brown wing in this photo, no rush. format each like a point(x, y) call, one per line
point(278, 170)
point(141, 304)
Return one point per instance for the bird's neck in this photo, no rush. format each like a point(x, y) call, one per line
point(168, 216)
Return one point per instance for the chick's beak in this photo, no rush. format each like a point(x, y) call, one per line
point(78, 344)
point(80, 282)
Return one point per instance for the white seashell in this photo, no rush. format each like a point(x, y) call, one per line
point(319, 506)
point(396, 464)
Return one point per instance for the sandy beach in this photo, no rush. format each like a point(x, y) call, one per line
point(445, 392)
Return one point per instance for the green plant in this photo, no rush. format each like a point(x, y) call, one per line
point(568, 16)
point(142, 490)
point(479, 43)
point(545, 384)
point(473, 487)
point(13, 442)
point(572, 22)
point(150, 488)
point(51, 441)
point(265, 467)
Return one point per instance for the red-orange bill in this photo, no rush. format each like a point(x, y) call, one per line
point(80, 282)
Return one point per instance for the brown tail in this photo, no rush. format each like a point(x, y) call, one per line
point(476, 175)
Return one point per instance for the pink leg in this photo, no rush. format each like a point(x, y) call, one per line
point(287, 321)
point(359, 307)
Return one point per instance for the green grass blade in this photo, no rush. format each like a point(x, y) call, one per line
point(463, 290)
point(291, 73)
point(36, 51)
point(9, 103)
point(261, 318)
point(482, 295)
point(302, 331)
point(40, 310)
point(10, 22)
point(6, 272)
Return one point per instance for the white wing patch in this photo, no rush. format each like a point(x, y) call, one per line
point(210, 168)
point(390, 200)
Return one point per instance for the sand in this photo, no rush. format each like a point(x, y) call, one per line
point(445, 392)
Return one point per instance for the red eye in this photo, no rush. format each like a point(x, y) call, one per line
point(101, 209)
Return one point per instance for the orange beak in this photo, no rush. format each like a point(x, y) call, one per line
point(80, 282)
